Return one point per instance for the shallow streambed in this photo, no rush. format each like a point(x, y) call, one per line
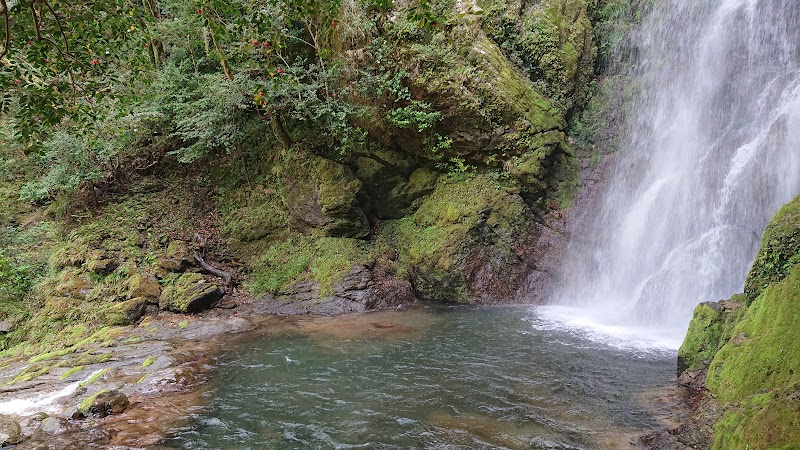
point(429, 378)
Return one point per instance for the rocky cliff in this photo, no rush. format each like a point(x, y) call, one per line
point(743, 351)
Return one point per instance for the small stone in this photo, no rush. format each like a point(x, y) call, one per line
point(103, 403)
point(52, 426)
point(10, 431)
point(5, 326)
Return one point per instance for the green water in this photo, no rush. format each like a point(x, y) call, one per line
point(449, 378)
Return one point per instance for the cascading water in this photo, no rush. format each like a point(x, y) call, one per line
point(711, 150)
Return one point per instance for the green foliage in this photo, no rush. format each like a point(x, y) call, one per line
point(62, 60)
point(416, 115)
point(68, 161)
point(15, 283)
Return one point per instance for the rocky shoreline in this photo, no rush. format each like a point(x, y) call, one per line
point(155, 372)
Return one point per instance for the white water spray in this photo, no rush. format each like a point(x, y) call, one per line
point(44, 402)
point(711, 150)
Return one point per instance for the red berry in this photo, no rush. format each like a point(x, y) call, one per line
point(334, 24)
point(95, 62)
point(265, 44)
point(200, 11)
point(280, 69)
point(17, 82)
point(255, 43)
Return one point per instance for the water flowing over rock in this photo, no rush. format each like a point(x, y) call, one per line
point(710, 152)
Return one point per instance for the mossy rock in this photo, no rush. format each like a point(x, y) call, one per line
point(322, 195)
point(190, 294)
point(103, 403)
point(127, 312)
point(764, 353)
point(757, 372)
point(178, 257)
point(779, 252)
point(710, 328)
point(465, 239)
point(551, 41)
point(143, 285)
point(72, 283)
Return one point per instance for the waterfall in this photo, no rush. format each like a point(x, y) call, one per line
point(710, 151)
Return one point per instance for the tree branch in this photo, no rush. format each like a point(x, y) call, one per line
point(58, 22)
point(213, 270)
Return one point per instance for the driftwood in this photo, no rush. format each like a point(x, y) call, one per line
point(213, 270)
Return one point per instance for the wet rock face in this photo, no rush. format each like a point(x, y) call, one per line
point(10, 431)
point(103, 403)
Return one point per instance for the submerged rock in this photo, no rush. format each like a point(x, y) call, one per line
point(103, 403)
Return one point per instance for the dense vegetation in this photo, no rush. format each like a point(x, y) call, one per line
point(290, 143)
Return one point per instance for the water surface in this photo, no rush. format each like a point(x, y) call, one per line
point(444, 378)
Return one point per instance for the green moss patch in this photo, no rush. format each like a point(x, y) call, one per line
point(780, 250)
point(303, 258)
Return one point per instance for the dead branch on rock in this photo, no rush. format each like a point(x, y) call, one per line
point(213, 270)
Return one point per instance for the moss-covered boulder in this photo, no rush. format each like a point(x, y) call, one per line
point(177, 258)
point(324, 195)
point(710, 328)
point(780, 250)
point(190, 293)
point(467, 241)
point(757, 373)
point(127, 312)
point(103, 403)
point(144, 285)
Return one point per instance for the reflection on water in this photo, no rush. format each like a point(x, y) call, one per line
point(453, 378)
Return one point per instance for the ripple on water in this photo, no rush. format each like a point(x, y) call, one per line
point(452, 378)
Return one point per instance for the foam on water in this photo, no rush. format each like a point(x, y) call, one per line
point(44, 402)
point(603, 328)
